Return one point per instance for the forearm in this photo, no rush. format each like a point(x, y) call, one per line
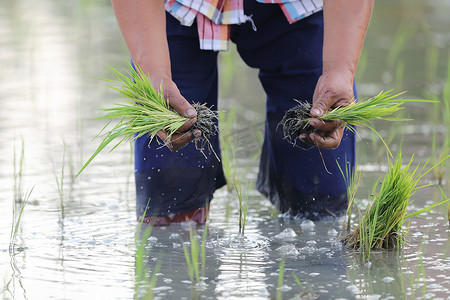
point(345, 26)
point(143, 26)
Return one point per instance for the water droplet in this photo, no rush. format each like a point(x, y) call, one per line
point(142, 187)
point(311, 243)
point(162, 155)
point(175, 198)
point(149, 177)
point(162, 194)
point(388, 279)
point(179, 190)
point(288, 233)
point(307, 225)
point(159, 170)
point(174, 236)
point(332, 232)
point(145, 158)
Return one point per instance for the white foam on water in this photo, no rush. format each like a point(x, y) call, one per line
point(288, 233)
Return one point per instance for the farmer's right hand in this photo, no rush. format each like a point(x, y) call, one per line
point(143, 27)
point(172, 94)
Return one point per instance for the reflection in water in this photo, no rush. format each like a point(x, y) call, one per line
point(243, 264)
point(80, 243)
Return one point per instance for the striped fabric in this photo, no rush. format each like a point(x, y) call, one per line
point(214, 17)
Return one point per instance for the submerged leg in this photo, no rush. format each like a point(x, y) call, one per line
point(289, 56)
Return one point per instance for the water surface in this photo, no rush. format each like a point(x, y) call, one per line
point(80, 242)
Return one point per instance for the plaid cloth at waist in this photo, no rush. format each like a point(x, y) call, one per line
point(214, 17)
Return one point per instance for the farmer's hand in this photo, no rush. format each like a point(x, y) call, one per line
point(143, 26)
point(334, 88)
point(171, 93)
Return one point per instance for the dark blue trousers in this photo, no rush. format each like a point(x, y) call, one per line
point(289, 57)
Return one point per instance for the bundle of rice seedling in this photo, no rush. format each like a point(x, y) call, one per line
point(145, 111)
point(381, 225)
point(296, 119)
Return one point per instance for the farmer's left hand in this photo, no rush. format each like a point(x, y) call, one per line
point(334, 88)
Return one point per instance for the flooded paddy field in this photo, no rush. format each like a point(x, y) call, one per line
point(80, 239)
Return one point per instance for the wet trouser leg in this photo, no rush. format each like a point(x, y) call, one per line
point(289, 57)
point(181, 181)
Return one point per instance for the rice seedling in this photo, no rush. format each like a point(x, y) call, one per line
point(446, 111)
point(143, 271)
point(439, 172)
point(17, 215)
point(307, 293)
point(228, 149)
point(446, 208)
point(70, 160)
point(60, 185)
point(145, 280)
point(381, 225)
point(18, 171)
point(243, 205)
point(203, 250)
point(352, 179)
point(280, 280)
point(448, 212)
point(228, 69)
point(145, 111)
point(361, 113)
point(431, 64)
point(394, 131)
point(403, 36)
point(196, 260)
point(399, 74)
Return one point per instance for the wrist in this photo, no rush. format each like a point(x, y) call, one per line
point(153, 69)
point(343, 71)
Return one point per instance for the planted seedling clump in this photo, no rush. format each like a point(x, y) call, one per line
point(145, 111)
point(296, 119)
point(381, 225)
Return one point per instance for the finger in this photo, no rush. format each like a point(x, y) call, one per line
point(186, 126)
point(320, 106)
point(327, 140)
point(326, 125)
point(304, 137)
point(180, 104)
point(178, 140)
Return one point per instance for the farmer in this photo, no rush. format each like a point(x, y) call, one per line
point(303, 49)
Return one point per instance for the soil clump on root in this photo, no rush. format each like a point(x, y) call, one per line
point(295, 122)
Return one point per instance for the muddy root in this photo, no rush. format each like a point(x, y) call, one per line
point(295, 122)
point(207, 124)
